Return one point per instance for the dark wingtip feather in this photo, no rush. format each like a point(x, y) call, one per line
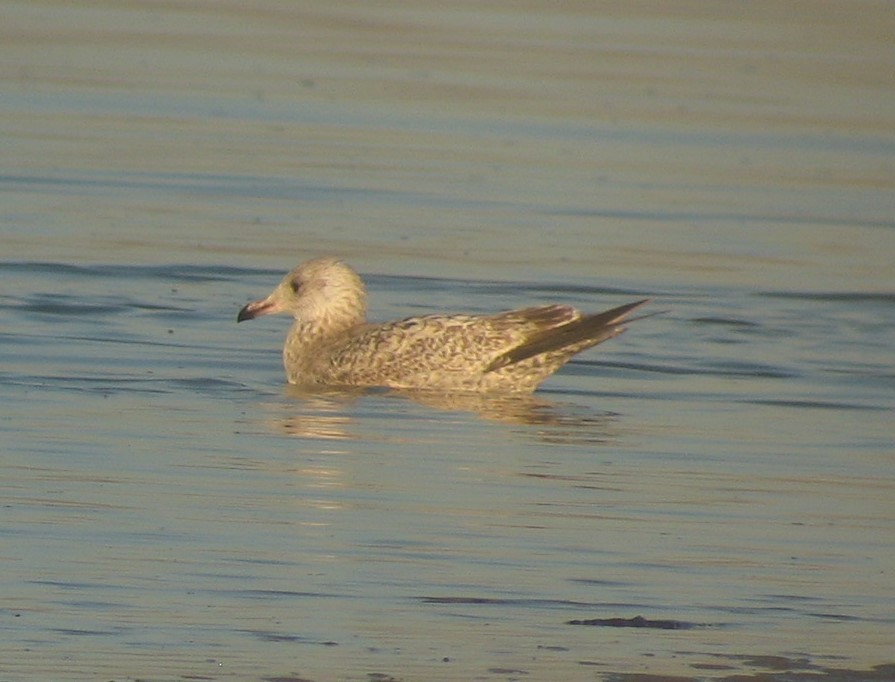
point(598, 327)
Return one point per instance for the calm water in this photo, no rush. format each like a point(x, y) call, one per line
point(171, 510)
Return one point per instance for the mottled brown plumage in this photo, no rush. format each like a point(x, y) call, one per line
point(331, 343)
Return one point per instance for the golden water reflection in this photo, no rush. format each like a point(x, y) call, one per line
point(326, 414)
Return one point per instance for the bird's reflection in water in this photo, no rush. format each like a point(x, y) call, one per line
point(331, 414)
point(322, 414)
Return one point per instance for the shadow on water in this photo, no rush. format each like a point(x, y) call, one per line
point(769, 669)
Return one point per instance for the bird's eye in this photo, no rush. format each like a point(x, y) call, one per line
point(295, 284)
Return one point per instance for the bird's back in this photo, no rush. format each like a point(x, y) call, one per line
point(512, 351)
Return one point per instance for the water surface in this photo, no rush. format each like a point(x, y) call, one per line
point(172, 510)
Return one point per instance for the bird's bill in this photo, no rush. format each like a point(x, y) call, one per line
point(250, 311)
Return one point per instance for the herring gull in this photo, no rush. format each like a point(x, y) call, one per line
point(331, 342)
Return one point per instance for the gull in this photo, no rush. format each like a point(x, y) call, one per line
point(331, 343)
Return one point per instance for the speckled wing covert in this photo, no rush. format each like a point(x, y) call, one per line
point(512, 351)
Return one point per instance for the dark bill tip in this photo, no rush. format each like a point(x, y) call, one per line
point(257, 308)
point(248, 312)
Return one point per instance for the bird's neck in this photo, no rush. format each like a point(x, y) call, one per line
point(308, 342)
